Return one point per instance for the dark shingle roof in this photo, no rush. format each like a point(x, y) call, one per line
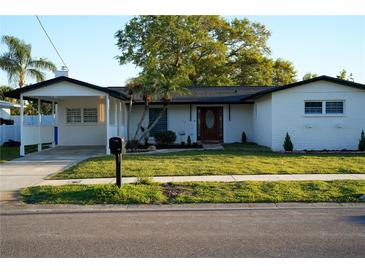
point(241, 94)
point(206, 94)
point(198, 94)
point(16, 92)
point(292, 85)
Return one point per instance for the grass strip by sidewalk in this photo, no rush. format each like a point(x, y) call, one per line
point(198, 192)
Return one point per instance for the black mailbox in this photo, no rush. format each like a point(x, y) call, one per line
point(116, 145)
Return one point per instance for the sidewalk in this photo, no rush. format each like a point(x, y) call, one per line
point(218, 178)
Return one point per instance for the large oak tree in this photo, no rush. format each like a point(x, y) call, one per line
point(178, 51)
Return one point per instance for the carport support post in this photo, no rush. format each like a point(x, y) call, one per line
point(22, 150)
point(39, 125)
point(107, 106)
point(54, 123)
point(116, 119)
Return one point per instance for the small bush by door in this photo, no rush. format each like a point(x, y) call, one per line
point(243, 138)
point(288, 145)
point(362, 141)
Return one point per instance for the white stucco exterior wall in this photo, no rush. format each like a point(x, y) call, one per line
point(81, 133)
point(240, 120)
point(178, 120)
point(321, 131)
point(262, 121)
point(136, 115)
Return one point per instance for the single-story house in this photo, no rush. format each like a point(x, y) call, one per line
point(320, 113)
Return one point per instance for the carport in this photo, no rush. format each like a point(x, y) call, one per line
point(84, 114)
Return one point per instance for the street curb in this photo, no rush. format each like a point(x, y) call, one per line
point(21, 209)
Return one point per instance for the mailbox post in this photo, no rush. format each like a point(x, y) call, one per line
point(116, 147)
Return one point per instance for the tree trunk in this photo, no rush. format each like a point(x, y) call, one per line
point(146, 108)
point(158, 118)
point(21, 80)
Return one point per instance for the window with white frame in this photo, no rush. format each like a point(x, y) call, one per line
point(90, 115)
point(324, 107)
point(334, 107)
point(73, 115)
point(313, 108)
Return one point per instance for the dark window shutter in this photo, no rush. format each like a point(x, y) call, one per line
point(161, 125)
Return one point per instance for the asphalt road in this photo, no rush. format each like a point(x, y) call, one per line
point(337, 232)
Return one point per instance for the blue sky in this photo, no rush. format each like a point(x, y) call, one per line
point(318, 44)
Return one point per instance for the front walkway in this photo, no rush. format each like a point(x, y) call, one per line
point(34, 167)
point(222, 178)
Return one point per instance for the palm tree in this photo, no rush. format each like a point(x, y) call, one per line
point(19, 64)
point(3, 90)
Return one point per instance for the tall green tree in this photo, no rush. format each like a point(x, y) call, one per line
point(309, 75)
point(164, 47)
point(343, 76)
point(283, 72)
point(178, 51)
point(19, 64)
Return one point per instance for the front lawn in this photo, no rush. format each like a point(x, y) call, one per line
point(198, 192)
point(235, 159)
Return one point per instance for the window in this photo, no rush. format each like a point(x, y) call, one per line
point(334, 107)
point(73, 115)
point(313, 108)
point(161, 124)
point(317, 107)
point(90, 115)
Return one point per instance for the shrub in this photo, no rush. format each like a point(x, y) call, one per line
point(288, 145)
point(165, 138)
point(189, 141)
point(132, 144)
point(362, 141)
point(243, 138)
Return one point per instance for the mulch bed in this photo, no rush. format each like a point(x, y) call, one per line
point(171, 191)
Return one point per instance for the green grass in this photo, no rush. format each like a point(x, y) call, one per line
point(198, 192)
point(10, 153)
point(234, 159)
point(247, 147)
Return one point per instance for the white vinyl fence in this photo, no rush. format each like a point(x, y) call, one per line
point(12, 132)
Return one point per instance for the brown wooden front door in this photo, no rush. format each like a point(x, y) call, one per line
point(210, 124)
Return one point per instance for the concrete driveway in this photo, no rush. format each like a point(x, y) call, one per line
point(32, 168)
